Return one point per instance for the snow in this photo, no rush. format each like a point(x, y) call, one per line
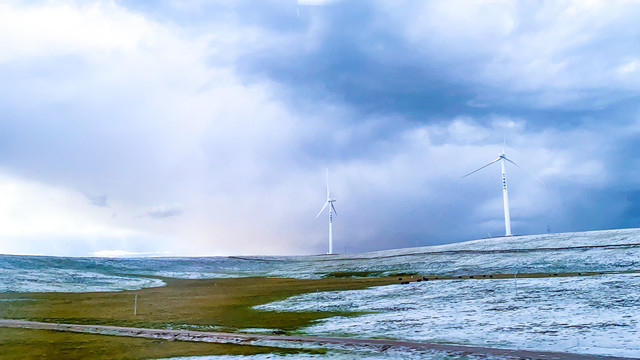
point(590, 314)
point(69, 280)
point(569, 252)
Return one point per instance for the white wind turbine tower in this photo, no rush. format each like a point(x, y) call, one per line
point(505, 195)
point(332, 210)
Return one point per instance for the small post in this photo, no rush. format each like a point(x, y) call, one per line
point(135, 305)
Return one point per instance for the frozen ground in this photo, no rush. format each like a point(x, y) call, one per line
point(614, 250)
point(591, 315)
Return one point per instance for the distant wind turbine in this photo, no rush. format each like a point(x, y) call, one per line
point(332, 210)
point(505, 195)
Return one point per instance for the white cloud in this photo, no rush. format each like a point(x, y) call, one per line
point(94, 29)
point(39, 218)
point(630, 67)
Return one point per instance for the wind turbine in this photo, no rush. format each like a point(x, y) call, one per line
point(505, 195)
point(332, 210)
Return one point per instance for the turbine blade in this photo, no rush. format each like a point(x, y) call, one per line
point(328, 193)
point(475, 171)
point(527, 171)
point(334, 209)
point(321, 210)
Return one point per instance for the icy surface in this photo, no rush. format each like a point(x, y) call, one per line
point(591, 314)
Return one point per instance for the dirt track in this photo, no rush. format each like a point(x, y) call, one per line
point(219, 337)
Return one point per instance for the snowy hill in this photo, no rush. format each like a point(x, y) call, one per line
point(594, 251)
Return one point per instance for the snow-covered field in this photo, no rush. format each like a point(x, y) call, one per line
point(574, 252)
point(614, 250)
point(592, 314)
point(587, 314)
point(69, 280)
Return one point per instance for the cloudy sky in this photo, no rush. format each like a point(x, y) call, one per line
point(206, 127)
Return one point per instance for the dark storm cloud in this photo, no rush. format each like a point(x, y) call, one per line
point(360, 62)
point(360, 58)
point(358, 53)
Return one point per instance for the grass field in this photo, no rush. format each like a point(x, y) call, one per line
point(20, 344)
point(216, 304)
point(212, 304)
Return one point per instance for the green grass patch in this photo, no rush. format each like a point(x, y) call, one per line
point(206, 305)
point(225, 304)
point(47, 344)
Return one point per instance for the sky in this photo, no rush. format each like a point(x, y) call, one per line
point(199, 128)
